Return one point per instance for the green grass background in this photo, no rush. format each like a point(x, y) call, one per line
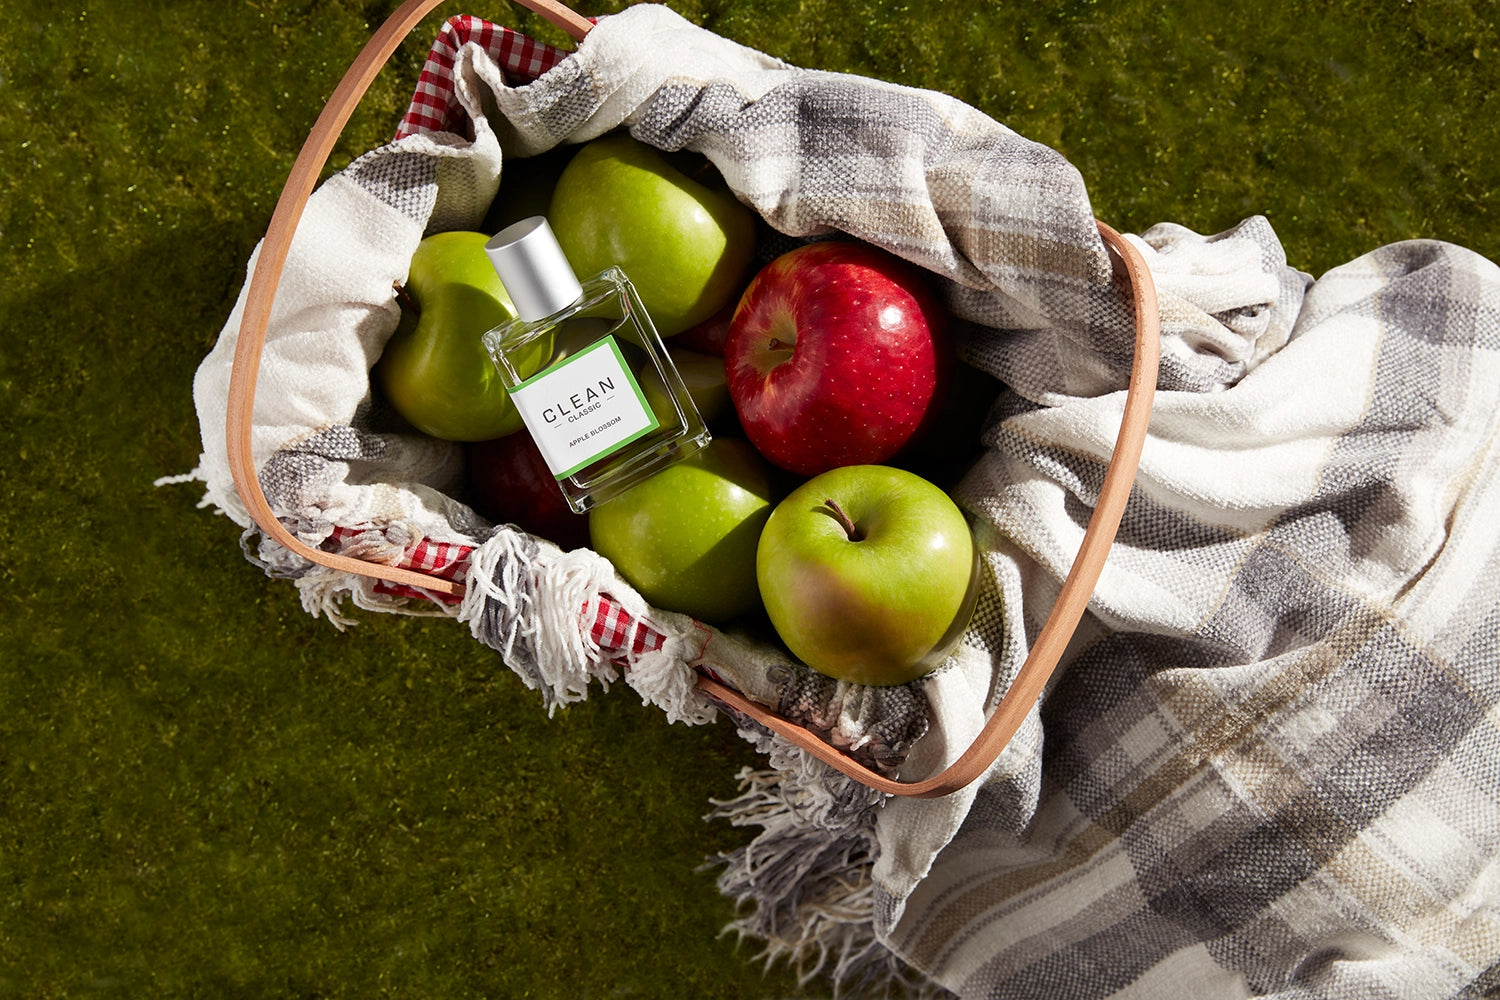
point(206, 793)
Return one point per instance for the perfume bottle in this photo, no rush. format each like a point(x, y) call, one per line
point(587, 370)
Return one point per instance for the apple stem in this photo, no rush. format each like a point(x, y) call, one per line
point(777, 344)
point(850, 528)
point(408, 304)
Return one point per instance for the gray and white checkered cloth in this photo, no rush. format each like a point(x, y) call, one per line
point(1270, 763)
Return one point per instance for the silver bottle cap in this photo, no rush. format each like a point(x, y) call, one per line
point(533, 269)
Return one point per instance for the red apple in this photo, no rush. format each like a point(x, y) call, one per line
point(708, 337)
point(509, 483)
point(837, 355)
point(944, 456)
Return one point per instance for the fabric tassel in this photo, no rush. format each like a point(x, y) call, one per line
point(323, 592)
point(524, 598)
point(215, 497)
point(804, 885)
point(569, 584)
point(663, 678)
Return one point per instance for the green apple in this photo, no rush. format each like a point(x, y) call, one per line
point(686, 245)
point(868, 573)
point(686, 537)
point(705, 380)
point(434, 370)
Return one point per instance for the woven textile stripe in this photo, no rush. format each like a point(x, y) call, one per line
point(433, 107)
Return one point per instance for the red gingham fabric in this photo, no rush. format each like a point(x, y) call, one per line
point(611, 627)
point(433, 106)
point(614, 630)
point(445, 560)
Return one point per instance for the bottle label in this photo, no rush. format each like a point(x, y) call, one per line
point(583, 408)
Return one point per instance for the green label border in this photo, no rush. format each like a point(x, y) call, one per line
point(635, 386)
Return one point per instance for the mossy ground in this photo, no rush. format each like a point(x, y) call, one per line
point(205, 792)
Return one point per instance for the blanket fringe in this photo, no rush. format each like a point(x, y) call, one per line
point(522, 599)
point(323, 592)
point(222, 502)
point(803, 884)
point(662, 678)
point(565, 583)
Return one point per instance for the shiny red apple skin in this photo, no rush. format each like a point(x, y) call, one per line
point(509, 483)
point(838, 354)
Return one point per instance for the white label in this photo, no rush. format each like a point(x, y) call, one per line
point(585, 407)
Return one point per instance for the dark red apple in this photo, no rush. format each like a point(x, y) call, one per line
point(838, 354)
point(509, 483)
point(944, 454)
point(708, 337)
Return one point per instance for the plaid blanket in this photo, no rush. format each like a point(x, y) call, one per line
point(1268, 766)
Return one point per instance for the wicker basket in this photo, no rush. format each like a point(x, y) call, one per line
point(1046, 651)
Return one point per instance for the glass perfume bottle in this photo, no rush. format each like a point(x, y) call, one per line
point(587, 370)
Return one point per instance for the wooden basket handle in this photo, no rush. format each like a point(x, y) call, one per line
point(272, 261)
point(1072, 599)
point(1056, 632)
